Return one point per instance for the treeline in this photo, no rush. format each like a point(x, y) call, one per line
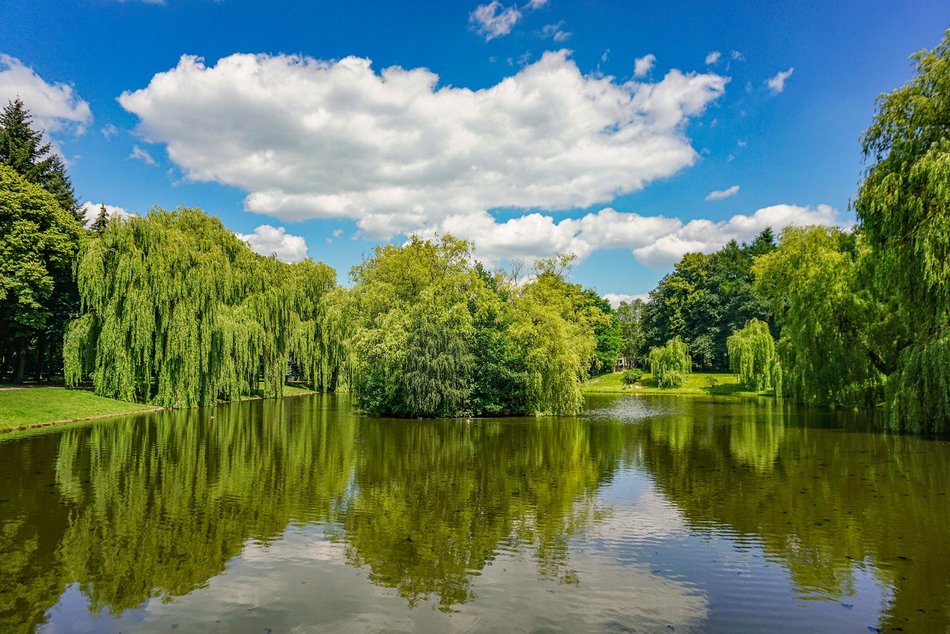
point(862, 316)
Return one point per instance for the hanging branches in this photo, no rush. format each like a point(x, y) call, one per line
point(752, 357)
point(179, 312)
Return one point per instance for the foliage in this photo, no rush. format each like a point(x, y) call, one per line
point(98, 225)
point(606, 326)
point(904, 209)
point(22, 148)
point(38, 240)
point(752, 357)
point(834, 332)
point(630, 377)
point(179, 312)
point(670, 364)
point(705, 299)
point(632, 329)
point(423, 314)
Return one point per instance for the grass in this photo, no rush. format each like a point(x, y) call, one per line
point(719, 383)
point(38, 406)
point(26, 408)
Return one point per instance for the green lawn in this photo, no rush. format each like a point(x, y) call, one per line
point(40, 406)
point(696, 383)
point(34, 406)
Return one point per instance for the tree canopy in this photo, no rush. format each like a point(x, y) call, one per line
point(752, 357)
point(436, 335)
point(179, 312)
point(705, 299)
point(38, 241)
point(903, 207)
point(670, 364)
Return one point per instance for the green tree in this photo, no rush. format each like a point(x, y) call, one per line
point(834, 346)
point(752, 357)
point(102, 220)
point(706, 298)
point(903, 207)
point(23, 149)
point(670, 364)
point(38, 241)
point(632, 332)
point(179, 312)
point(606, 327)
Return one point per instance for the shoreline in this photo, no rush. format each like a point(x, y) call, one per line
point(133, 410)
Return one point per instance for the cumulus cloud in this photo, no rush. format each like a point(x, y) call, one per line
point(396, 152)
point(537, 4)
point(142, 155)
point(109, 131)
point(55, 107)
point(616, 299)
point(656, 241)
point(705, 236)
point(268, 240)
point(713, 57)
point(90, 211)
point(493, 19)
point(722, 194)
point(777, 83)
point(643, 65)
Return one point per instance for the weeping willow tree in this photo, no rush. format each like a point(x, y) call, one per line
point(904, 208)
point(179, 312)
point(752, 357)
point(670, 364)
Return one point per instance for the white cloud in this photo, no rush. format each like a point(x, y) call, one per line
point(268, 240)
point(90, 211)
point(55, 107)
point(109, 131)
point(493, 19)
point(706, 236)
point(616, 298)
point(337, 233)
point(397, 153)
point(777, 83)
point(713, 57)
point(555, 32)
point(536, 4)
point(643, 65)
point(737, 56)
point(142, 155)
point(722, 194)
point(656, 241)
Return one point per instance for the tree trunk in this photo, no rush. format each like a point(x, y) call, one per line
point(21, 363)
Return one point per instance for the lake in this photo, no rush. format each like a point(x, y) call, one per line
point(644, 514)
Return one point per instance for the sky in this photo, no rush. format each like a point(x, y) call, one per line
point(627, 133)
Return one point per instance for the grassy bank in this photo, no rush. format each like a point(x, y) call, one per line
point(720, 383)
point(39, 406)
point(30, 407)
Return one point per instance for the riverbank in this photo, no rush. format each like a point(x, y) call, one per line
point(718, 383)
point(34, 407)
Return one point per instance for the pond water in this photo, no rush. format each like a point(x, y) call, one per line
point(643, 514)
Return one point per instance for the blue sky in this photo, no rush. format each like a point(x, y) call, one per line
point(514, 125)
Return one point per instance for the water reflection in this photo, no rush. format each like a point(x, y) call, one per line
point(602, 521)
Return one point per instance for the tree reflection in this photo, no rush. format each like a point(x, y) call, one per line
point(822, 500)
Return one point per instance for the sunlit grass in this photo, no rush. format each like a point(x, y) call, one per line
point(722, 383)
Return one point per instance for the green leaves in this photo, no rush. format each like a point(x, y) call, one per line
point(752, 357)
point(179, 312)
point(670, 364)
point(904, 208)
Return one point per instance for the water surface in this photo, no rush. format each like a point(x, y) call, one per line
point(643, 514)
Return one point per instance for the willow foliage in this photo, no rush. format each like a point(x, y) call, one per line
point(832, 326)
point(434, 335)
point(670, 364)
point(904, 209)
point(179, 312)
point(753, 358)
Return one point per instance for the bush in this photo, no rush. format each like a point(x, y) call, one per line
point(630, 377)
